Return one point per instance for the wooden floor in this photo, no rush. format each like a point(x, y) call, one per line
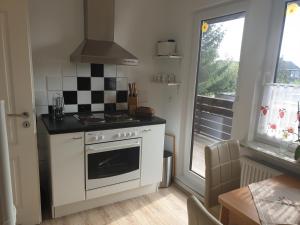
point(166, 207)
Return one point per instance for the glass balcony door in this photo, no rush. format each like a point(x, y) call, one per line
point(217, 74)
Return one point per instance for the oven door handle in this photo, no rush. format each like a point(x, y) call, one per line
point(94, 149)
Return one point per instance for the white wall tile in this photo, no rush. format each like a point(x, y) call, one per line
point(69, 83)
point(41, 110)
point(84, 97)
point(39, 82)
point(110, 96)
point(41, 98)
point(54, 83)
point(122, 84)
point(122, 106)
point(68, 69)
point(97, 107)
point(110, 70)
point(97, 83)
point(52, 94)
point(122, 70)
point(71, 108)
point(83, 69)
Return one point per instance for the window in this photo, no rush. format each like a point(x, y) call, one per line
point(288, 63)
point(279, 111)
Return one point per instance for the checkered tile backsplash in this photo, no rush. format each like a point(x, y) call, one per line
point(94, 88)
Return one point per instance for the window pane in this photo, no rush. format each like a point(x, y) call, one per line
point(219, 56)
point(288, 68)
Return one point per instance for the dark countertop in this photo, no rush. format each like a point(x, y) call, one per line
point(71, 124)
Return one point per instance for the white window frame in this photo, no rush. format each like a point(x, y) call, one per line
point(191, 179)
point(271, 60)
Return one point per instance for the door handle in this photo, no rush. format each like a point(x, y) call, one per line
point(24, 115)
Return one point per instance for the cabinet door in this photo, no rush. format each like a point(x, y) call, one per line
point(67, 168)
point(152, 153)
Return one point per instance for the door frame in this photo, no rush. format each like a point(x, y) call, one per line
point(193, 180)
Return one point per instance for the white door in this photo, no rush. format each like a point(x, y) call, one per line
point(214, 77)
point(17, 90)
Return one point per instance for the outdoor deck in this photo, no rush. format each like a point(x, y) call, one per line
point(198, 165)
point(212, 123)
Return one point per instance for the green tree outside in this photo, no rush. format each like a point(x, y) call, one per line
point(215, 76)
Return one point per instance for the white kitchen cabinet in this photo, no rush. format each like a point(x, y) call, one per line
point(152, 153)
point(67, 168)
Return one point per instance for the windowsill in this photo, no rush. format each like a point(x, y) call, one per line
point(271, 151)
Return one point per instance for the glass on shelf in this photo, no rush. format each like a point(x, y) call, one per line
point(167, 78)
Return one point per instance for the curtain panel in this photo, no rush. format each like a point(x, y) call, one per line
point(279, 112)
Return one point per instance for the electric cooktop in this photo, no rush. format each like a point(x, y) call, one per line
point(100, 118)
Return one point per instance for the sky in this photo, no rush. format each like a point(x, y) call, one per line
point(290, 48)
point(230, 47)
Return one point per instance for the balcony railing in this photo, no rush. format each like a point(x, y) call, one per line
point(213, 117)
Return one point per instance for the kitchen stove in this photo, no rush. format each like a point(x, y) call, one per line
point(112, 156)
point(101, 118)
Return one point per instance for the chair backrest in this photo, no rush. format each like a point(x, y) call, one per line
point(223, 170)
point(198, 214)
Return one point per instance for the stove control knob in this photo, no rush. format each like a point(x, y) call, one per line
point(101, 137)
point(135, 133)
point(119, 135)
point(129, 134)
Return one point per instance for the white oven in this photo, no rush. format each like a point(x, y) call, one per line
point(113, 162)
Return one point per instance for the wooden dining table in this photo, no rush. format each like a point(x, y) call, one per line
point(237, 206)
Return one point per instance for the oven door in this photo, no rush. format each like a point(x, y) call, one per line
point(112, 163)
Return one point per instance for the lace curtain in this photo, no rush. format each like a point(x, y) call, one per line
point(279, 112)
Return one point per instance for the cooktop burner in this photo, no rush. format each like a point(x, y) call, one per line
point(101, 118)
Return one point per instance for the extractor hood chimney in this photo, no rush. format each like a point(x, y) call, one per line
point(99, 46)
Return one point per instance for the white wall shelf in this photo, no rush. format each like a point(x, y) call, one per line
point(173, 84)
point(167, 83)
point(168, 57)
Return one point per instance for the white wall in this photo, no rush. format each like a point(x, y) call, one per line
point(252, 65)
point(139, 25)
point(57, 29)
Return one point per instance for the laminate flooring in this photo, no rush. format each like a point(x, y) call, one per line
point(165, 207)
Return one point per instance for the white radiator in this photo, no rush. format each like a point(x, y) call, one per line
point(252, 171)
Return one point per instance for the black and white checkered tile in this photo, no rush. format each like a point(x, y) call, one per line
point(93, 89)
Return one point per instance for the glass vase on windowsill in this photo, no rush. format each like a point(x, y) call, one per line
point(297, 150)
point(287, 148)
point(290, 141)
point(290, 145)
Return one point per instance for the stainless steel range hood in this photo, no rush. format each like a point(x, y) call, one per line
point(99, 46)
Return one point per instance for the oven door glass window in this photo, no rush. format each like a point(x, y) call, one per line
point(113, 163)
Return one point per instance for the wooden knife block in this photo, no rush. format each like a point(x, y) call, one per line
point(132, 104)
